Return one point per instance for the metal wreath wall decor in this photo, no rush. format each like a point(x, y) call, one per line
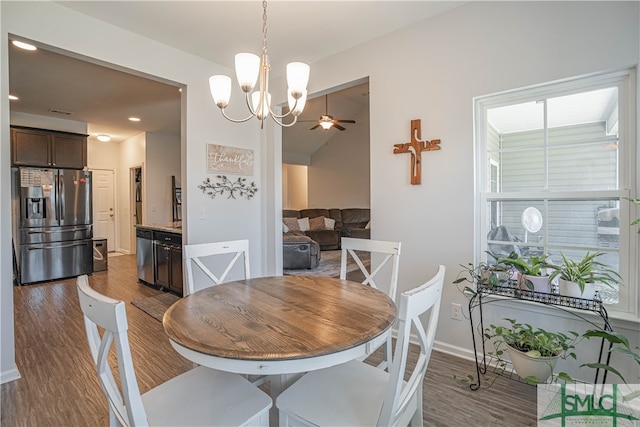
point(225, 185)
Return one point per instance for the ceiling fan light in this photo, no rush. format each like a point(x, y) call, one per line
point(261, 110)
point(220, 87)
point(299, 104)
point(247, 70)
point(326, 125)
point(297, 77)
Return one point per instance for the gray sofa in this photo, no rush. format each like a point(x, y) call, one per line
point(349, 222)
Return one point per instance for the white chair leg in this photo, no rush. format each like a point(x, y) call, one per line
point(416, 420)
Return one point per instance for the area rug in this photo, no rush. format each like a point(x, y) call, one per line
point(156, 305)
point(330, 265)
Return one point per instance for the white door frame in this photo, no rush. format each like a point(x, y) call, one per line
point(132, 203)
point(116, 224)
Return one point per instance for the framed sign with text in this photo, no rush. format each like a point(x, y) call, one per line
point(223, 159)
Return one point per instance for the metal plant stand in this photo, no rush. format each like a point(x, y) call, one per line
point(511, 290)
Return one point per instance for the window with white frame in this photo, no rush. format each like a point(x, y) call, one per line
point(556, 164)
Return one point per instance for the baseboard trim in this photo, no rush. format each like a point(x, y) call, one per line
point(10, 375)
point(453, 350)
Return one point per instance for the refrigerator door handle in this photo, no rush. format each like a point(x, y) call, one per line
point(58, 231)
point(61, 200)
point(57, 246)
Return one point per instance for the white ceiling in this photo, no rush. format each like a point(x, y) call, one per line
point(216, 30)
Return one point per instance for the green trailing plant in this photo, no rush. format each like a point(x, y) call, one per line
point(535, 343)
point(534, 266)
point(490, 273)
point(587, 270)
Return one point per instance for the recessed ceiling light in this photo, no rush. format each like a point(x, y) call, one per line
point(23, 45)
point(13, 98)
point(134, 119)
point(104, 138)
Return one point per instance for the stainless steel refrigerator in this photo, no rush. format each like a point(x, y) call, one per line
point(53, 224)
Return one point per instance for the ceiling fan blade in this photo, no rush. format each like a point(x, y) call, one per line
point(337, 126)
point(344, 121)
point(316, 126)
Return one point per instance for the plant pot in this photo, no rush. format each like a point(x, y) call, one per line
point(526, 366)
point(540, 283)
point(571, 289)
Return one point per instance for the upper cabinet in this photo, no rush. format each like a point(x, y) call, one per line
point(39, 147)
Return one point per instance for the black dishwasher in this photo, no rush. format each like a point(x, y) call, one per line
point(144, 251)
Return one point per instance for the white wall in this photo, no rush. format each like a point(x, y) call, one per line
point(49, 23)
point(295, 187)
point(131, 154)
point(339, 175)
point(49, 123)
point(102, 155)
point(432, 71)
point(162, 154)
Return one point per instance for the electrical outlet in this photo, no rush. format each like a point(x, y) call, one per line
point(456, 311)
point(202, 213)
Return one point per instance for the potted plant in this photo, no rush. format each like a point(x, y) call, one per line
point(578, 279)
point(533, 352)
point(489, 274)
point(532, 273)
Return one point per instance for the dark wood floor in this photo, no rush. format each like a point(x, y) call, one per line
point(59, 387)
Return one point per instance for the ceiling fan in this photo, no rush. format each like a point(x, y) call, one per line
point(326, 121)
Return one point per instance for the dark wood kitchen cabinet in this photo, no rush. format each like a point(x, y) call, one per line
point(46, 148)
point(168, 261)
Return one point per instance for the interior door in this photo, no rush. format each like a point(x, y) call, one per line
point(104, 223)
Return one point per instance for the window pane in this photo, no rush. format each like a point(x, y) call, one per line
point(511, 234)
point(575, 223)
point(583, 143)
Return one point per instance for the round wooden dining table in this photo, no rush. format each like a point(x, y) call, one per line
point(279, 325)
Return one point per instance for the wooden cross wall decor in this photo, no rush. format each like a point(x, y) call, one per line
point(416, 147)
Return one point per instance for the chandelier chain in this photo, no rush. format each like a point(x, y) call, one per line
point(264, 26)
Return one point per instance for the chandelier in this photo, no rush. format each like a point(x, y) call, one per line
point(252, 68)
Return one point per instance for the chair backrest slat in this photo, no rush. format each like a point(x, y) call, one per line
point(194, 254)
point(110, 315)
point(390, 249)
point(413, 304)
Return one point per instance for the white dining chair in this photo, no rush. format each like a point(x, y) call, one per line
point(194, 254)
point(358, 394)
point(391, 252)
point(199, 397)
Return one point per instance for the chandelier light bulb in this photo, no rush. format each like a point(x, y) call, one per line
point(247, 70)
point(220, 87)
point(297, 77)
point(299, 103)
point(253, 69)
point(261, 110)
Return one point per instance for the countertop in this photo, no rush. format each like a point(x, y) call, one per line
point(171, 227)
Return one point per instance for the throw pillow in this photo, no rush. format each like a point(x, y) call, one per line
point(317, 223)
point(368, 226)
point(291, 223)
point(329, 224)
point(285, 229)
point(303, 223)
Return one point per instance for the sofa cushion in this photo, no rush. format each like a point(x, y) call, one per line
point(314, 213)
point(303, 224)
point(317, 223)
point(329, 224)
point(291, 223)
point(289, 213)
point(356, 216)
